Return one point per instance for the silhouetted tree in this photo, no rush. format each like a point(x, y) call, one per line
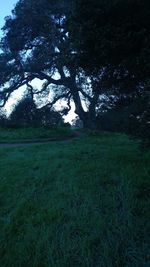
point(37, 45)
point(24, 112)
point(106, 41)
point(47, 117)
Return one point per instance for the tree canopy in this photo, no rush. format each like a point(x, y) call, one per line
point(114, 33)
point(79, 49)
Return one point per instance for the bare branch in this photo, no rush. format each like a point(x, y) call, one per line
point(41, 75)
point(68, 102)
point(5, 94)
point(45, 85)
point(31, 90)
point(50, 104)
point(61, 72)
point(5, 98)
point(85, 94)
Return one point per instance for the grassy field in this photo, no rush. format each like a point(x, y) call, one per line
point(30, 133)
point(77, 203)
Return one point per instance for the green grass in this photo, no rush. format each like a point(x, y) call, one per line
point(29, 133)
point(77, 203)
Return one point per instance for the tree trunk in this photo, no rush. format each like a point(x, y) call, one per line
point(89, 121)
point(88, 118)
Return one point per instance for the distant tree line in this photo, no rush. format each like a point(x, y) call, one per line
point(26, 113)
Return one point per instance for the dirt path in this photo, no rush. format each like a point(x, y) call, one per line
point(33, 142)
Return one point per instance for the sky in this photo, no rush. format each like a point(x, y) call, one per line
point(5, 10)
point(6, 7)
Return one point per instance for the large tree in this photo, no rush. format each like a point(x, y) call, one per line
point(36, 44)
point(76, 40)
point(114, 36)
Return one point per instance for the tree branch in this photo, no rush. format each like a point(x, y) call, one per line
point(85, 94)
point(5, 94)
point(31, 90)
point(56, 99)
point(41, 75)
point(43, 89)
point(68, 102)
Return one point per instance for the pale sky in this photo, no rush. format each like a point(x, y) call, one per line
point(6, 7)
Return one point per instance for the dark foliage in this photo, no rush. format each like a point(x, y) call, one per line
point(113, 33)
point(106, 41)
point(3, 118)
point(129, 115)
point(26, 113)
